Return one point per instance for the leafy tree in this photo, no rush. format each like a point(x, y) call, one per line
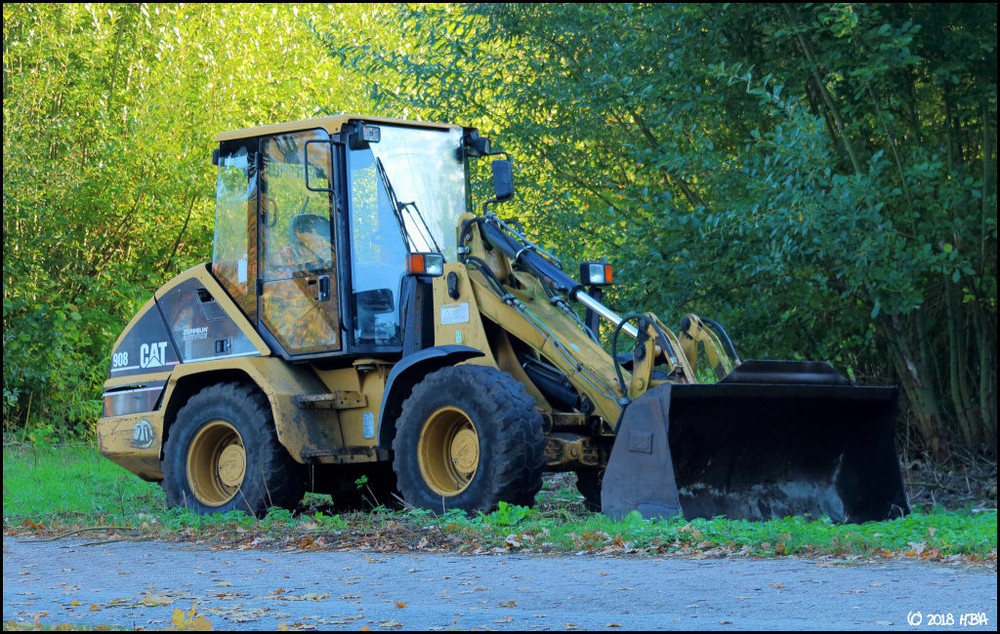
point(108, 124)
point(819, 177)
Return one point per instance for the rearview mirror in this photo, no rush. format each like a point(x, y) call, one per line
point(503, 180)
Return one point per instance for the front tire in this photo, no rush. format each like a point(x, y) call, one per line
point(469, 438)
point(222, 454)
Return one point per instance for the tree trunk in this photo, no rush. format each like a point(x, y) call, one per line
point(917, 385)
point(956, 348)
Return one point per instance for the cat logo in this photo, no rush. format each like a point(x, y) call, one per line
point(142, 434)
point(152, 355)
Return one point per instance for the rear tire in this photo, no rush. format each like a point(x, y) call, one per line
point(469, 438)
point(222, 454)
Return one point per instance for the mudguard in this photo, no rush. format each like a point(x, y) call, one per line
point(407, 373)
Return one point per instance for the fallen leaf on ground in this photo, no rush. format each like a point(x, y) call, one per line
point(155, 600)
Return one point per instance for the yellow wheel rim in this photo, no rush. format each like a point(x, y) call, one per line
point(216, 463)
point(448, 451)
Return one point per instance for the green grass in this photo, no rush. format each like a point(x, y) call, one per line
point(56, 484)
point(56, 491)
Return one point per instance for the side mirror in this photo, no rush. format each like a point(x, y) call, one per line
point(322, 155)
point(503, 180)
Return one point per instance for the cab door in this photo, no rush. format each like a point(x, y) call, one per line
point(298, 300)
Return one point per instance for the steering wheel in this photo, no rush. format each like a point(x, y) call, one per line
point(314, 252)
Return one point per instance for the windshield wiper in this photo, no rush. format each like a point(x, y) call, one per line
point(398, 208)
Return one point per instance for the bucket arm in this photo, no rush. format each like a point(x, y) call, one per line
point(527, 294)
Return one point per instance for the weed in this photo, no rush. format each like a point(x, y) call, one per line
point(508, 514)
point(62, 489)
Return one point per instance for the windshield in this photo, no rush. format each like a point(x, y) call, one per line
point(406, 193)
point(426, 175)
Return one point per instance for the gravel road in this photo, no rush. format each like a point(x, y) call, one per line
point(139, 585)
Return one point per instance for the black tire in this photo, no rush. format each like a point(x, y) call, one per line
point(588, 483)
point(222, 454)
point(469, 437)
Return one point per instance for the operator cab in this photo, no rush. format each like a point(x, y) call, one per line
point(315, 222)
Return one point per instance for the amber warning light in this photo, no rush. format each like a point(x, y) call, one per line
point(425, 264)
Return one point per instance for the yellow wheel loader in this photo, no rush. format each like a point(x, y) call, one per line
point(363, 321)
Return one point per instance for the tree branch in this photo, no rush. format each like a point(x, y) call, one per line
point(827, 98)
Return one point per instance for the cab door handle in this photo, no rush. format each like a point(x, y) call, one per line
point(323, 289)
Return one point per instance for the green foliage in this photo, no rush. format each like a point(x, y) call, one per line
point(820, 178)
point(44, 353)
point(508, 514)
point(109, 115)
point(276, 517)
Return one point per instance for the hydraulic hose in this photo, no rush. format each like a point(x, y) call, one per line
point(526, 257)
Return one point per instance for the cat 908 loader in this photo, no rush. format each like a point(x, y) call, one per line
point(363, 316)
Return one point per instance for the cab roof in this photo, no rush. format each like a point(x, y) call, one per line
point(331, 124)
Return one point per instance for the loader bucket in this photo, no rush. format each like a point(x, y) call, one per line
point(771, 439)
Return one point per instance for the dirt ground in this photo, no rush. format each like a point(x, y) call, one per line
point(970, 481)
